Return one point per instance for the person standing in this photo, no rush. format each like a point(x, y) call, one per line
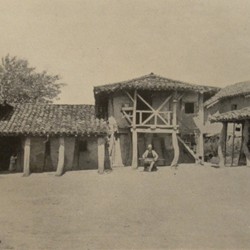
point(12, 166)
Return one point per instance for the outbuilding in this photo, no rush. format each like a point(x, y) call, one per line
point(231, 108)
point(50, 137)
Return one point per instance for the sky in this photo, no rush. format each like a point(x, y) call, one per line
point(90, 43)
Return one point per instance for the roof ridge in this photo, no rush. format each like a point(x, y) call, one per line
point(164, 83)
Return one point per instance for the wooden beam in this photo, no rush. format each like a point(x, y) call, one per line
point(245, 142)
point(201, 126)
point(127, 116)
point(146, 103)
point(176, 149)
point(175, 113)
point(101, 154)
point(26, 163)
point(188, 148)
point(135, 149)
point(222, 145)
point(165, 102)
point(148, 119)
point(134, 109)
point(61, 156)
point(130, 97)
point(179, 97)
point(155, 131)
point(232, 153)
point(163, 120)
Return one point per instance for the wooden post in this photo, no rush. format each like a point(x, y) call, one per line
point(101, 154)
point(174, 136)
point(201, 126)
point(134, 135)
point(175, 113)
point(232, 160)
point(61, 155)
point(26, 164)
point(135, 149)
point(245, 142)
point(222, 145)
point(176, 149)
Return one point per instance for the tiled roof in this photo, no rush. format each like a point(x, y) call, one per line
point(53, 119)
point(232, 116)
point(241, 88)
point(153, 82)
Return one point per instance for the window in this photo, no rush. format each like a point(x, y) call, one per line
point(233, 106)
point(189, 108)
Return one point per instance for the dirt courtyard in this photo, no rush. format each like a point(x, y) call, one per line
point(193, 207)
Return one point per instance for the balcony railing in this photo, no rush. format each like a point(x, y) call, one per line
point(149, 118)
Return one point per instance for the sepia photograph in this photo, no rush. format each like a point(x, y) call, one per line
point(124, 124)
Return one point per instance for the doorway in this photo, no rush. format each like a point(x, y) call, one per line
point(8, 147)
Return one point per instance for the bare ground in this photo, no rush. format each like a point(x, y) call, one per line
point(190, 208)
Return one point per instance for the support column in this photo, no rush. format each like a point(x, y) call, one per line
point(222, 145)
point(26, 163)
point(245, 142)
point(176, 149)
point(134, 135)
point(174, 136)
point(61, 156)
point(201, 126)
point(135, 149)
point(101, 154)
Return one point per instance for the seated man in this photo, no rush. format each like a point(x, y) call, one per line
point(150, 157)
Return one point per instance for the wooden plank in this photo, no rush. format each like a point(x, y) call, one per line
point(101, 154)
point(61, 156)
point(26, 163)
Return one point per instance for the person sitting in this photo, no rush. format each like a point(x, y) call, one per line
point(150, 158)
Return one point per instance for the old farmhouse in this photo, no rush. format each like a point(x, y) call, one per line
point(171, 115)
point(231, 107)
point(47, 137)
point(152, 109)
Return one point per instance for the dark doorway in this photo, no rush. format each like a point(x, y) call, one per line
point(8, 146)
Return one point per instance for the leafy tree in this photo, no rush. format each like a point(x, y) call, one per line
point(20, 83)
